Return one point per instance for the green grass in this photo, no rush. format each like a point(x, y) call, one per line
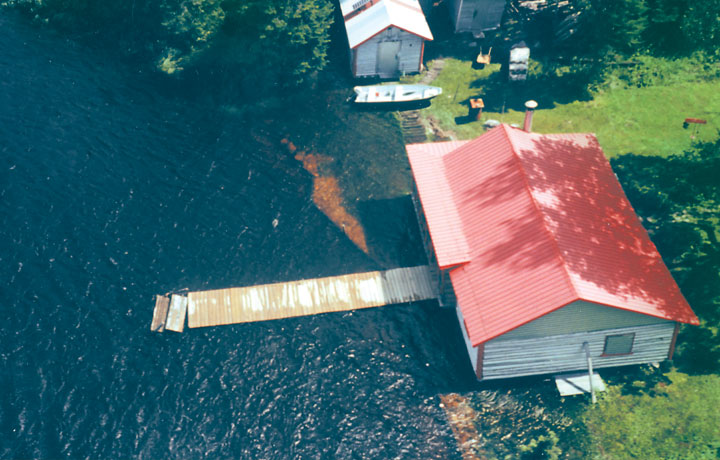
point(645, 120)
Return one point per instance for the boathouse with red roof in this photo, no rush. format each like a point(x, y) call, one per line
point(540, 251)
point(386, 37)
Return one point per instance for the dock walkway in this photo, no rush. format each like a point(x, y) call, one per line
point(306, 297)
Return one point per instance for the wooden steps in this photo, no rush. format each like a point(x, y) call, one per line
point(412, 127)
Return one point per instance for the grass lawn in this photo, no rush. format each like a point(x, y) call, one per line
point(645, 121)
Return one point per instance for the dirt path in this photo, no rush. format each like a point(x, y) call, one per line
point(432, 74)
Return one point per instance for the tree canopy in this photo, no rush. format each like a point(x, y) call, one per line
point(265, 43)
point(626, 27)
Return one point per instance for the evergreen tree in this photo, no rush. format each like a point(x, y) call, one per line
point(609, 27)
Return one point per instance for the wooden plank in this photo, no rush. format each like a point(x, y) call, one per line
point(176, 315)
point(564, 353)
point(308, 297)
point(160, 313)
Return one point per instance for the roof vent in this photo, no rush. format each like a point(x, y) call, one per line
point(357, 5)
point(530, 107)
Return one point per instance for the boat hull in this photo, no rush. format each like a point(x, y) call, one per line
point(395, 94)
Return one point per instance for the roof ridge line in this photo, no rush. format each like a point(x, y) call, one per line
point(554, 242)
point(361, 9)
point(405, 5)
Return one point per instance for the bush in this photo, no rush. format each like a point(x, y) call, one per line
point(644, 71)
point(680, 422)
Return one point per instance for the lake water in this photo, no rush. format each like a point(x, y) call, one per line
point(116, 185)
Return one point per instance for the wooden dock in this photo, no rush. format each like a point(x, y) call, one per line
point(169, 313)
point(162, 304)
point(305, 297)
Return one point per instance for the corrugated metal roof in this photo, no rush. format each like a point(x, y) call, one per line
point(444, 224)
point(378, 15)
point(544, 222)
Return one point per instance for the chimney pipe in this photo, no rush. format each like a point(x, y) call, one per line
point(530, 107)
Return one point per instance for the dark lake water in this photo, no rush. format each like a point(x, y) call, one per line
point(116, 185)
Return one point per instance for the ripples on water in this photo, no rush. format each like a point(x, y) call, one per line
point(114, 187)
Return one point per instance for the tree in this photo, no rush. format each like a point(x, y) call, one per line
point(678, 199)
point(609, 27)
point(266, 43)
point(681, 27)
point(700, 26)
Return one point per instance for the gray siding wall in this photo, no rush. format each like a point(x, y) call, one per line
point(408, 57)
point(476, 15)
point(366, 59)
point(580, 316)
point(472, 351)
point(465, 16)
point(455, 6)
point(562, 353)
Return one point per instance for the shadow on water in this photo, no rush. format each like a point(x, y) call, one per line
point(392, 232)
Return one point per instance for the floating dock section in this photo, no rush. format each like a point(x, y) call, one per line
point(169, 313)
point(297, 298)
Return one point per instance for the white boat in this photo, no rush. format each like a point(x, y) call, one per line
point(395, 93)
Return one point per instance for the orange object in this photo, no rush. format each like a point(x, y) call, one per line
point(477, 103)
point(476, 106)
point(484, 58)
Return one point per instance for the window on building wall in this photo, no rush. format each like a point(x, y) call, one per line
point(620, 344)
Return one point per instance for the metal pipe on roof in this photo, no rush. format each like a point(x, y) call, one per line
point(530, 107)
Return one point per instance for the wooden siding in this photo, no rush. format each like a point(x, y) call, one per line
point(308, 297)
point(488, 16)
point(454, 6)
point(476, 15)
point(465, 16)
point(479, 361)
point(472, 351)
point(366, 59)
point(409, 56)
point(580, 316)
point(564, 353)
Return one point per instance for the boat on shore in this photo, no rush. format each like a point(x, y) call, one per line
point(379, 94)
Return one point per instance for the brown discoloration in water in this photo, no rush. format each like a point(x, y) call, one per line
point(462, 421)
point(327, 195)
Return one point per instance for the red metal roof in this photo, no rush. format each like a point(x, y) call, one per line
point(534, 222)
point(443, 221)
